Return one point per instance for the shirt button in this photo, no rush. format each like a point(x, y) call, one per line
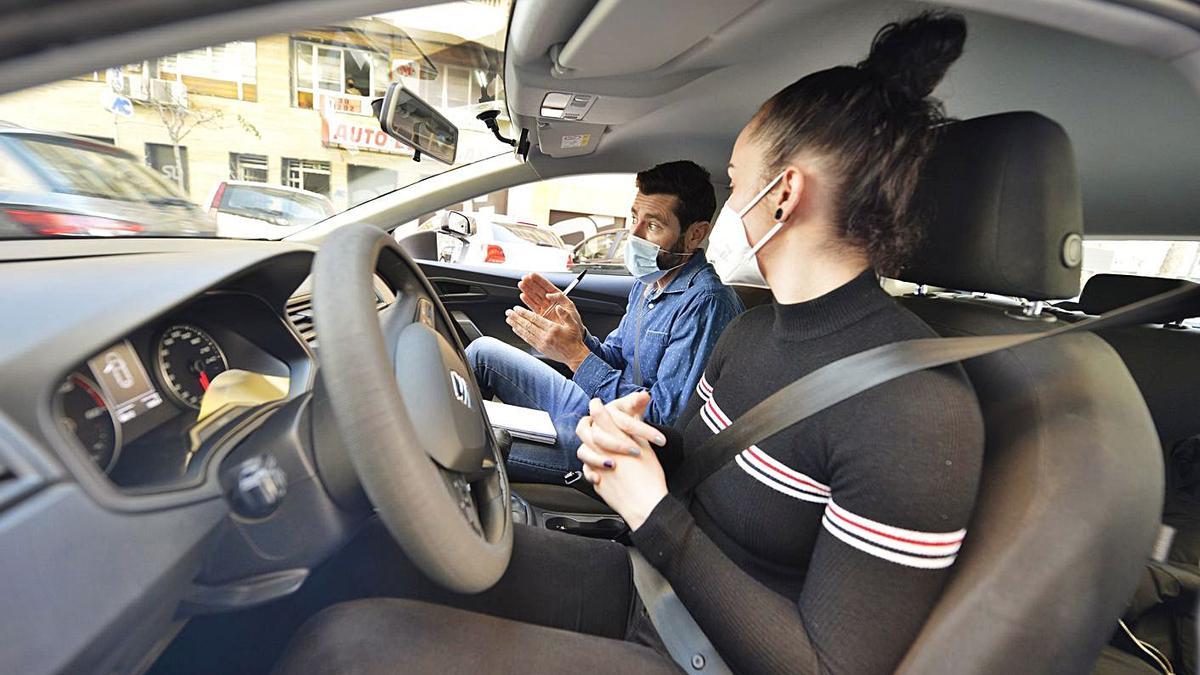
point(650, 306)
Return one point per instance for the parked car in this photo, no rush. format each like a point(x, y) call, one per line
point(575, 230)
point(474, 239)
point(54, 184)
point(249, 210)
point(603, 252)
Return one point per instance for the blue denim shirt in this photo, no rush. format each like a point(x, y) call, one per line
point(680, 326)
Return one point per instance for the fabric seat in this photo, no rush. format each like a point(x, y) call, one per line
point(423, 638)
point(1072, 480)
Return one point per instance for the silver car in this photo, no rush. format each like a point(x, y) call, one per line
point(55, 184)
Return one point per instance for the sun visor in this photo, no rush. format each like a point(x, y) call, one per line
point(652, 34)
point(568, 139)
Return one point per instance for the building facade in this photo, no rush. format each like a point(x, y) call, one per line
point(285, 109)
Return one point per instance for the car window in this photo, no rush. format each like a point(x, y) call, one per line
point(548, 213)
point(287, 109)
point(285, 206)
point(90, 170)
point(595, 248)
point(1179, 259)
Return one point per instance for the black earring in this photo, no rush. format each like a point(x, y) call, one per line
point(778, 214)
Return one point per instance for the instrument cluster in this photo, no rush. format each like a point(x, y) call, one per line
point(135, 407)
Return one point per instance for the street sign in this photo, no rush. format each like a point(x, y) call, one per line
point(116, 104)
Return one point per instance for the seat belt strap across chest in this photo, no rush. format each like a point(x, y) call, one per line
point(835, 382)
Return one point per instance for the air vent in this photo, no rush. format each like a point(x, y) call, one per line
point(300, 314)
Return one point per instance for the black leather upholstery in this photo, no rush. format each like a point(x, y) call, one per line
point(1003, 210)
point(1073, 478)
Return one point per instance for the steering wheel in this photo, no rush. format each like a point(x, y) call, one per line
point(409, 412)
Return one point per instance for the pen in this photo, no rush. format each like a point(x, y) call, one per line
point(570, 287)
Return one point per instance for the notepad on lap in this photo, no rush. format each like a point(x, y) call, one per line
point(528, 423)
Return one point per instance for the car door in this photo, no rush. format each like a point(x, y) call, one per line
point(477, 295)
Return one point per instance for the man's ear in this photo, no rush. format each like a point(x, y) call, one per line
point(696, 234)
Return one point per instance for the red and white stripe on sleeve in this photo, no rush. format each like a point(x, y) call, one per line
point(911, 548)
point(761, 466)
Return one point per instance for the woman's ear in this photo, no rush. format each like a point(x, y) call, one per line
point(791, 191)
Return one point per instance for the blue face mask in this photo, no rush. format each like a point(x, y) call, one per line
point(642, 260)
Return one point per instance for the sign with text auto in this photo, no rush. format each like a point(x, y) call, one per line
point(359, 133)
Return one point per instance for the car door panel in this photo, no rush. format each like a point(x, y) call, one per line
point(477, 298)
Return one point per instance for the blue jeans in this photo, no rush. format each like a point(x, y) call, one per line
point(519, 378)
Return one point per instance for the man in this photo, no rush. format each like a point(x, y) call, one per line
point(676, 310)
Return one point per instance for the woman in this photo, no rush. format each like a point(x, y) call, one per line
point(824, 547)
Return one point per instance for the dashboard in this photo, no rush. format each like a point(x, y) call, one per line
point(141, 379)
point(142, 408)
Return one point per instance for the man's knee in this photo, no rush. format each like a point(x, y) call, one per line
point(482, 349)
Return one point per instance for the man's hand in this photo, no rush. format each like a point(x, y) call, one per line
point(560, 338)
point(618, 459)
point(536, 291)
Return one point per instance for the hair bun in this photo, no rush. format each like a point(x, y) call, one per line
point(913, 55)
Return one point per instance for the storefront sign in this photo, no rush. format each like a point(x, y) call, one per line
point(354, 134)
point(337, 133)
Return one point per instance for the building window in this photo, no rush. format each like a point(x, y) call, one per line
point(251, 168)
point(229, 70)
point(453, 87)
point(338, 71)
point(308, 175)
point(162, 159)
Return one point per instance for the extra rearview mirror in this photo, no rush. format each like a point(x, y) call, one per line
point(415, 123)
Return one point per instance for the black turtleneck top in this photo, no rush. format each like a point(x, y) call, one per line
point(822, 548)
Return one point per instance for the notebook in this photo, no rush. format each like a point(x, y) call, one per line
point(528, 423)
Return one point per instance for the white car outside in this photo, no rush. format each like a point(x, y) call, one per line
point(496, 240)
point(249, 210)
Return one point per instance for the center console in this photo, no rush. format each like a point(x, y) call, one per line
point(561, 508)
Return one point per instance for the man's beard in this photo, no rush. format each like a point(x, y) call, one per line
point(674, 257)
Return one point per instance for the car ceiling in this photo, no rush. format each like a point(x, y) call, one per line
point(679, 78)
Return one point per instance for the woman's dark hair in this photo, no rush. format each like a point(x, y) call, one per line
point(874, 125)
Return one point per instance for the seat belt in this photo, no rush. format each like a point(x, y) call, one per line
point(835, 382)
point(820, 389)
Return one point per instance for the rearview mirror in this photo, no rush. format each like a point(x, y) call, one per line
point(415, 123)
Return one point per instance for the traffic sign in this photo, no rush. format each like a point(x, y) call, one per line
point(116, 104)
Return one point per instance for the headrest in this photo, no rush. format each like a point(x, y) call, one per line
point(1002, 209)
point(1106, 292)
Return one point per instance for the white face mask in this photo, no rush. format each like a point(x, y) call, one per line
point(729, 249)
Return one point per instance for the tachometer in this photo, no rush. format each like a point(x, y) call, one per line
point(84, 413)
point(188, 360)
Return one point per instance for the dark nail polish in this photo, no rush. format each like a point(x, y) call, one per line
point(608, 464)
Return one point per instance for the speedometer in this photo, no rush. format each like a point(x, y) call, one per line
point(188, 361)
point(83, 411)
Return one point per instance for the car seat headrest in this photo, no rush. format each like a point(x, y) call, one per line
point(1002, 209)
point(1106, 292)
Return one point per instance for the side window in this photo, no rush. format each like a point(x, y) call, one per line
point(557, 225)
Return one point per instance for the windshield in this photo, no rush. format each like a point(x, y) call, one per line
point(287, 110)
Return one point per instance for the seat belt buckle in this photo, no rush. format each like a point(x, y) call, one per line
point(572, 477)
